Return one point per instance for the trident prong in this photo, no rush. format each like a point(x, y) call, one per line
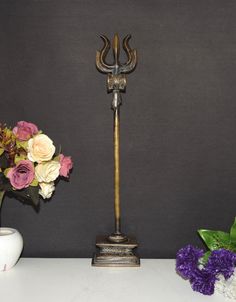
point(131, 54)
point(101, 55)
point(116, 71)
point(116, 67)
point(116, 53)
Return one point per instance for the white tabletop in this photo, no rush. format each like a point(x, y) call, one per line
point(75, 280)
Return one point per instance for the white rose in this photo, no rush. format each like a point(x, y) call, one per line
point(40, 148)
point(47, 172)
point(46, 189)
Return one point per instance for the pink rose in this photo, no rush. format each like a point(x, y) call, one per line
point(21, 175)
point(24, 130)
point(66, 165)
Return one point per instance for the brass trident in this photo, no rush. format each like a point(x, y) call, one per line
point(116, 83)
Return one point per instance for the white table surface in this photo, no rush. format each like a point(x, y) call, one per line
point(73, 280)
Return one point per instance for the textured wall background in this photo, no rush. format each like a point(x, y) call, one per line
point(178, 119)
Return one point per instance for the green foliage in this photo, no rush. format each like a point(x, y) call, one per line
point(57, 158)
point(204, 259)
point(22, 144)
point(233, 234)
point(28, 195)
point(4, 183)
point(1, 151)
point(6, 171)
point(215, 240)
point(34, 183)
point(1, 197)
point(3, 161)
point(19, 158)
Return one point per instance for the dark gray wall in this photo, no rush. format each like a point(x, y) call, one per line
point(178, 119)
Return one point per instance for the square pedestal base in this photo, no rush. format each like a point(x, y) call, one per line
point(113, 254)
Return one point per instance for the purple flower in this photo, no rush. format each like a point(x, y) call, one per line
point(21, 175)
point(66, 165)
point(24, 130)
point(203, 281)
point(221, 262)
point(187, 261)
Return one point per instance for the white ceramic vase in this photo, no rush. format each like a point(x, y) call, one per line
point(11, 245)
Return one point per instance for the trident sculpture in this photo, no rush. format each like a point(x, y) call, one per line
point(116, 249)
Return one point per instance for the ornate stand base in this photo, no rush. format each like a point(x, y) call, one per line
point(113, 254)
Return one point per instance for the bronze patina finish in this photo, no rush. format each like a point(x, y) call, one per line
point(116, 249)
point(115, 254)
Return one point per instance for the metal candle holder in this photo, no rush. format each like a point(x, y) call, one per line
point(116, 249)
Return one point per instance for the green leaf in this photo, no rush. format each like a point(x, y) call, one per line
point(34, 183)
point(4, 183)
point(215, 239)
point(1, 151)
point(28, 195)
point(19, 158)
point(1, 197)
point(233, 234)
point(3, 161)
point(22, 144)
point(6, 171)
point(204, 259)
point(57, 158)
point(34, 194)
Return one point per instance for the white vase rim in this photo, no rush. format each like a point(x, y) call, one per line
point(7, 231)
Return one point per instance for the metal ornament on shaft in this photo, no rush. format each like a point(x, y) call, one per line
point(116, 249)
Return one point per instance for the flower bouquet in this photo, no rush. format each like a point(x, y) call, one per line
point(213, 270)
point(29, 167)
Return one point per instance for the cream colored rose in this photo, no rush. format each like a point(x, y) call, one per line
point(46, 189)
point(48, 171)
point(40, 148)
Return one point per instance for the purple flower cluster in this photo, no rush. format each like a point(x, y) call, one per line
point(203, 279)
point(187, 260)
point(221, 262)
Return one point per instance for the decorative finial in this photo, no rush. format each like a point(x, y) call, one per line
point(116, 81)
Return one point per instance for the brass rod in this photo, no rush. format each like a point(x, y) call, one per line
point(117, 169)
